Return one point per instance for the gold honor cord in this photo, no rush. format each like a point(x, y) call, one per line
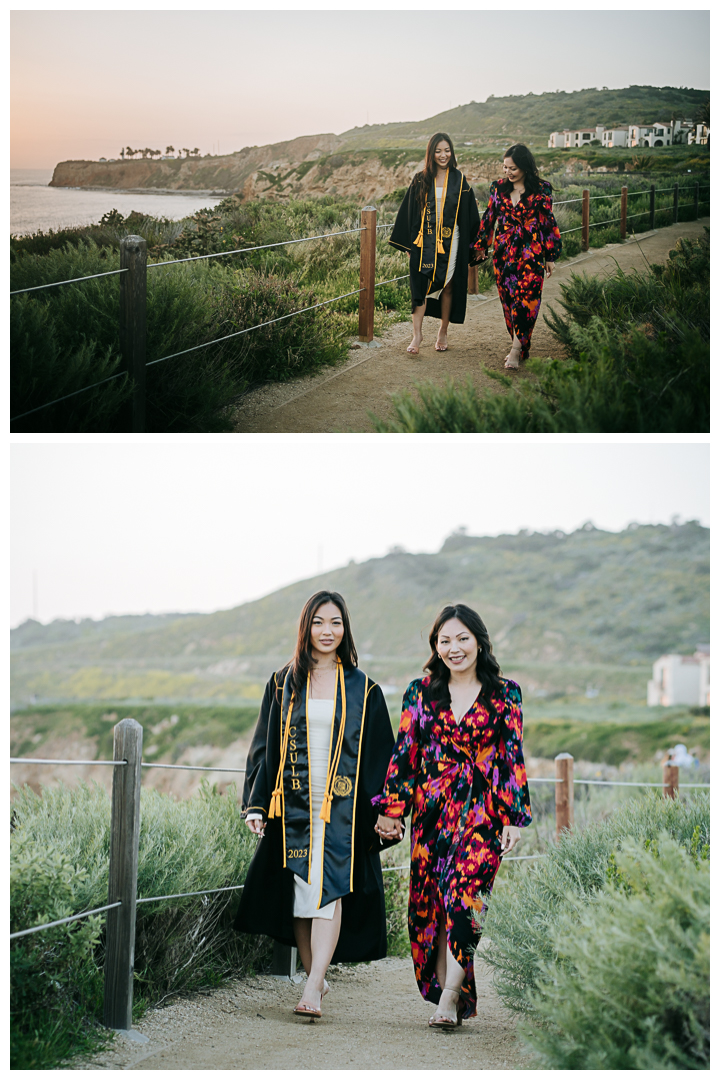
point(419, 238)
point(335, 763)
point(439, 216)
point(278, 792)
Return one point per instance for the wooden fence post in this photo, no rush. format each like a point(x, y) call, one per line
point(133, 302)
point(284, 961)
point(623, 213)
point(652, 206)
point(473, 287)
point(564, 793)
point(585, 244)
point(122, 876)
point(368, 243)
point(676, 200)
point(670, 780)
point(697, 199)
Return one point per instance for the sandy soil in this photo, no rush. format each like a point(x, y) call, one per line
point(373, 1018)
point(341, 399)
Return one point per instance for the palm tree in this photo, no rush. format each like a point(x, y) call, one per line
point(702, 113)
point(130, 152)
point(195, 151)
point(169, 149)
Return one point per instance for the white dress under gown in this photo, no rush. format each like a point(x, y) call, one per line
point(453, 250)
point(320, 713)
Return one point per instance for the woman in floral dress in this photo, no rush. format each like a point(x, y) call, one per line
point(458, 766)
point(527, 243)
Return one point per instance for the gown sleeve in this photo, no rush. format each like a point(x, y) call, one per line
point(473, 218)
point(512, 797)
point(403, 234)
point(264, 750)
point(551, 238)
point(397, 795)
point(377, 751)
point(484, 237)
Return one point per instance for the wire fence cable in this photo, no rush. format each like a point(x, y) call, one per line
point(259, 247)
point(60, 922)
point(70, 281)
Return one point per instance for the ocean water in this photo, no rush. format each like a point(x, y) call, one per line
point(35, 206)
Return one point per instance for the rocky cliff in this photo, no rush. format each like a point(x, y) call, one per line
point(312, 165)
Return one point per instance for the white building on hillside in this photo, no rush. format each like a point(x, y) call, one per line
point(615, 136)
point(699, 135)
point(637, 134)
point(681, 680)
point(570, 138)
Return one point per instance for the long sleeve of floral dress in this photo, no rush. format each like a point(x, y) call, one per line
point(509, 782)
point(397, 796)
point(526, 238)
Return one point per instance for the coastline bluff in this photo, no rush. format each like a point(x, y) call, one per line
point(311, 165)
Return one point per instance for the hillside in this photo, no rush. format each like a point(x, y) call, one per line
point(566, 610)
point(375, 160)
point(533, 116)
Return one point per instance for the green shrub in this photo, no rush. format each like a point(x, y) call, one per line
point(629, 987)
point(638, 359)
point(180, 944)
point(59, 857)
point(523, 914)
point(67, 338)
point(55, 982)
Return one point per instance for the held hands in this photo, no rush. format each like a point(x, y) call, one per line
point(510, 837)
point(389, 828)
point(549, 267)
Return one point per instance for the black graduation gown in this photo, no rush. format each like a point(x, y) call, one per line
point(404, 233)
point(351, 862)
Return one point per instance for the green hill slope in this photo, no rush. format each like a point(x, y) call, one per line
point(534, 116)
point(563, 607)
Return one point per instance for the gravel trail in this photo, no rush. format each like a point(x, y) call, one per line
point(373, 1018)
point(340, 399)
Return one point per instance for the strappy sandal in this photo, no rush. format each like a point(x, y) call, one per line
point(445, 1021)
point(307, 1010)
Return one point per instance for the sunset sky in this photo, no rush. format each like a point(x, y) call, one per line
point(86, 83)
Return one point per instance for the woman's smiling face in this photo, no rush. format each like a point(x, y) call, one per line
point(457, 647)
point(327, 629)
point(512, 173)
point(443, 154)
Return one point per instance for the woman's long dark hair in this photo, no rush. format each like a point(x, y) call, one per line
point(423, 181)
point(486, 666)
point(526, 163)
point(302, 661)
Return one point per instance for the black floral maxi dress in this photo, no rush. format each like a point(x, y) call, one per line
point(463, 781)
point(527, 237)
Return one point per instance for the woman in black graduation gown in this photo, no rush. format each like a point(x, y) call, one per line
point(436, 224)
point(319, 754)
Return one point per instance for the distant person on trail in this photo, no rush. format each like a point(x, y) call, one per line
point(527, 243)
point(436, 224)
point(458, 767)
point(319, 754)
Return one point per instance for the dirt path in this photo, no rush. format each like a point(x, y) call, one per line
point(374, 1018)
point(340, 399)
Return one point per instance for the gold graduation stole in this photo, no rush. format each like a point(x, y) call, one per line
point(437, 226)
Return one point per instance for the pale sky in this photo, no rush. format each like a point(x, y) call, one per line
point(158, 527)
point(86, 83)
